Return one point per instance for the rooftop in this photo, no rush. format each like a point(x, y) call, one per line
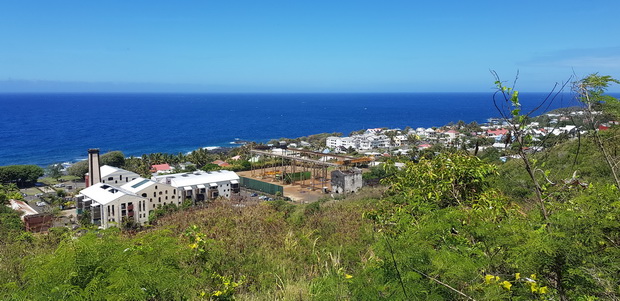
point(197, 177)
point(105, 193)
point(137, 185)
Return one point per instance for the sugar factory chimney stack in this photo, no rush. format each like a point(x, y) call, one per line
point(94, 172)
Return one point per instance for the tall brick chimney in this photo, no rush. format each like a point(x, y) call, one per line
point(94, 173)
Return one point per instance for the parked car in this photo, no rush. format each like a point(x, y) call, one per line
point(254, 194)
point(41, 203)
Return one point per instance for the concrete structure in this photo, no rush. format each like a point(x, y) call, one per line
point(348, 181)
point(200, 185)
point(94, 173)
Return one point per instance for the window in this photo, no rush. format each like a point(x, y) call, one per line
point(174, 191)
point(154, 193)
point(110, 178)
point(144, 195)
point(166, 191)
point(166, 197)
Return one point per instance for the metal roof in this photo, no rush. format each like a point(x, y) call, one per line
point(106, 193)
point(196, 178)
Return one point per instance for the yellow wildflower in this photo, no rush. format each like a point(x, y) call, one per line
point(517, 276)
point(507, 285)
point(543, 290)
point(347, 276)
point(488, 278)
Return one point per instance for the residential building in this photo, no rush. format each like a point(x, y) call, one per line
point(161, 168)
point(200, 185)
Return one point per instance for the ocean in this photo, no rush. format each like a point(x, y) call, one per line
point(51, 128)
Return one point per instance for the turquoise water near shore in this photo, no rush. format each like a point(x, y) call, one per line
point(51, 128)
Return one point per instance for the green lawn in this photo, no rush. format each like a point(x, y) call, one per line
point(32, 191)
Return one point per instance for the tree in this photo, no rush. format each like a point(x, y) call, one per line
point(113, 158)
point(9, 191)
point(506, 101)
point(20, 174)
point(54, 171)
point(591, 93)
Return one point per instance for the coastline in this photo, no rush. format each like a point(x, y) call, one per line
point(44, 129)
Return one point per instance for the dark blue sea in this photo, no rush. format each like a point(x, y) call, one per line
point(51, 128)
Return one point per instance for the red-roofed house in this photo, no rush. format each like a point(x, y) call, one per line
point(498, 134)
point(220, 163)
point(451, 134)
point(424, 146)
point(161, 168)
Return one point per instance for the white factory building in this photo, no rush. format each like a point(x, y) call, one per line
point(125, 196)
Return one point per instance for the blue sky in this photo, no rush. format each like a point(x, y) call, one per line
point(303, 46)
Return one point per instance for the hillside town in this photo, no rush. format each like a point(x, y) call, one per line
point(298, 170)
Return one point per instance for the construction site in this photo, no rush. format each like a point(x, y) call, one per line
point(304, 176)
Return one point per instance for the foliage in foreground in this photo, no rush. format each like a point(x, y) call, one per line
point(441, 232)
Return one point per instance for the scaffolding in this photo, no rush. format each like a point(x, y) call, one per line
point(289, 162)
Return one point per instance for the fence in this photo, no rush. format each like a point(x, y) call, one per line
point(260, 186)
